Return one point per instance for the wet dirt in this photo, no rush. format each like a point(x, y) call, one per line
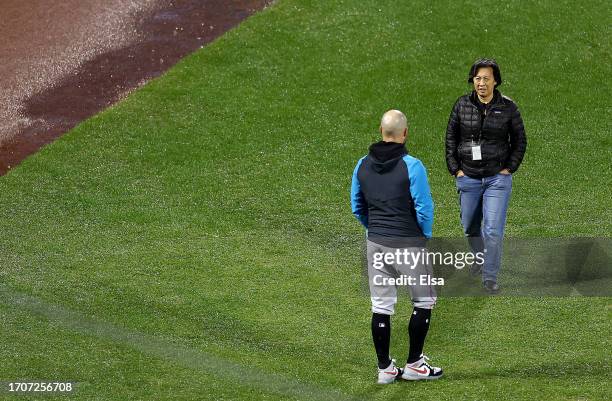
point(63, 62)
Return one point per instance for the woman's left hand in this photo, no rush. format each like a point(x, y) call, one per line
point(505, 172)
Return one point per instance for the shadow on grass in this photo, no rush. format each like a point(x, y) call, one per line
point(555, 370)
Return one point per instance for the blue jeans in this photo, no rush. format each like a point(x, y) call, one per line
point(484, 203)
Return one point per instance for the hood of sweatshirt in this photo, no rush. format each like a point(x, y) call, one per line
point(385, 155)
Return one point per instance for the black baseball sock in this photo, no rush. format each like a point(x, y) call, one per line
point(381, 334)
point(417, 329)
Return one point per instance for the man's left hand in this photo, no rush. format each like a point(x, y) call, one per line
point(505, 172)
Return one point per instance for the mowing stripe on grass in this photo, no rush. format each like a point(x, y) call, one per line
point(190, 358)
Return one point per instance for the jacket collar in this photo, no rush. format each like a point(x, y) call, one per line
point(495, 102)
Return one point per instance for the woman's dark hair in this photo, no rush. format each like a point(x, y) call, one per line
point(485, 62)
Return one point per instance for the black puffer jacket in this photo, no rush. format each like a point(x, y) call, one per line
point(501, 136)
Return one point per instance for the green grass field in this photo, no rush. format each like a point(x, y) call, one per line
point(195, 241)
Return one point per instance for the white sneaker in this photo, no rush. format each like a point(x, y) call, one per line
point(389, 374)
point(421, 370)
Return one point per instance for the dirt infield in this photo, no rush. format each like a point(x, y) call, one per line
point(62, 62)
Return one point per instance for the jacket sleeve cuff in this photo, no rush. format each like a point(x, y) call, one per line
point(511, 168)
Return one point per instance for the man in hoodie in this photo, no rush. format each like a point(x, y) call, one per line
point(390, 197)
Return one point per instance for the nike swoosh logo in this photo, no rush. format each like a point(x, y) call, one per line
point(420, 371)
point(393, 372)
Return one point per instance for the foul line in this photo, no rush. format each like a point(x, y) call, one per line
point(187, 357)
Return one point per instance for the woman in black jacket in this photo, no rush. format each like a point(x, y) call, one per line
point(485, 144)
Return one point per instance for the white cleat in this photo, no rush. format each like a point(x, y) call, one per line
point(389, 374)
point(421, 370)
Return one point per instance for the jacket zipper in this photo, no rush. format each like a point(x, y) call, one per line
point(482, 121)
